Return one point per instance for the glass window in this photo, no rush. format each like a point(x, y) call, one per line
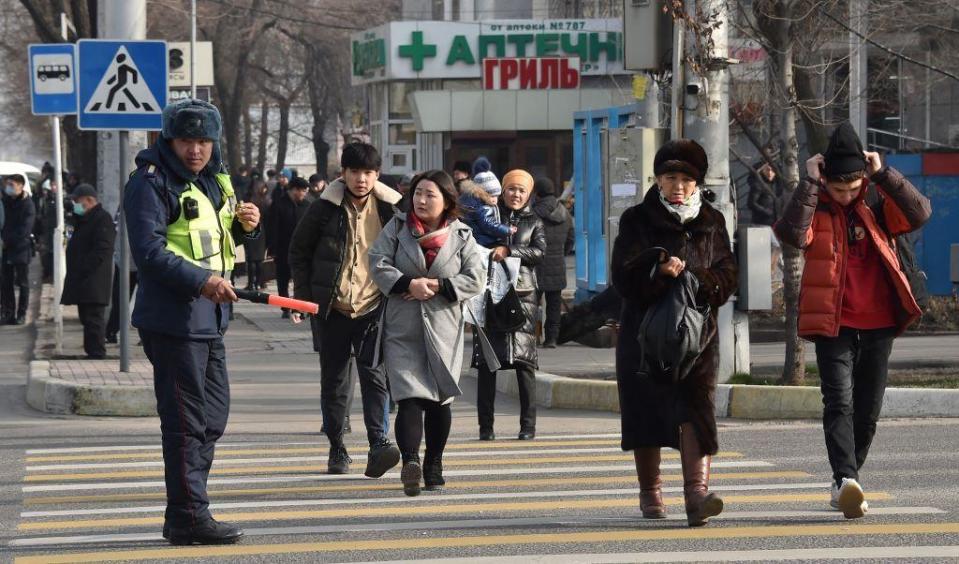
point(399, 101)
point(402, 134)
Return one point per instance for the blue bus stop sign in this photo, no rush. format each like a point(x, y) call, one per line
point(53, 78)
point(123, 84)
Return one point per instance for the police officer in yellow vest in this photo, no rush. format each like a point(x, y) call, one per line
point(184, 223)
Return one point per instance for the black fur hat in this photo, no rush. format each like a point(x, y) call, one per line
point(682, 155)
point(192, 119)
point(844, 154)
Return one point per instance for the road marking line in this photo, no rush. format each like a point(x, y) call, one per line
point(322, 448)
point(107, 448)
point(356, 457)
point(839, 553)
point(415, 510)
point(566, 538)
point(431, 499)
point(463, 524)
point(394, 473)
point(628, 477)
point(225, 471)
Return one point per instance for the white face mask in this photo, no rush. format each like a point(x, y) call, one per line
point(9, 190)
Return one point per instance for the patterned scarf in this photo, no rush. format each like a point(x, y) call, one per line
point(686, 211)
point(431, 242)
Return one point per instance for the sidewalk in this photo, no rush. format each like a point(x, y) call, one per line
point(572, 376)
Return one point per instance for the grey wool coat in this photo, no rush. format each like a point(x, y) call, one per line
point(422, 342)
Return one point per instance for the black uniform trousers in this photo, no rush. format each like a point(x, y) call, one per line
point(14, 276)
point(853, 368)
point(93, 317)
point(339, 336)
point(193, 401)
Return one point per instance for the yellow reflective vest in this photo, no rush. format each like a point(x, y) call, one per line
point(206, 239)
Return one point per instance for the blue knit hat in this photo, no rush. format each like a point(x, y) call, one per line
point(192, 119)
point(488, 182)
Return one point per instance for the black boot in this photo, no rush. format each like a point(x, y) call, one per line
point(210, 531)
point(411, 475)
point(383, 456)
point(339, 460)
point(433, 474)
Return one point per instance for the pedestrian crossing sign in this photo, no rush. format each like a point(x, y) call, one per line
point(122, 84)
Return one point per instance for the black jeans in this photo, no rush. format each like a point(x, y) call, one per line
point(283, 276)
point(193, 401)
point(113, 323)
point(554, 306)
point(853, 368)
point(254, 269)
point(14, 276)
point(93, 318)
point(486, 397)
point(339, 336)
point(410, 417)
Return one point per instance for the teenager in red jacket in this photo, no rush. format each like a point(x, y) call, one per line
point(854, 298)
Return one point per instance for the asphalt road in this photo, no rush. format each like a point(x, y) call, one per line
point(90, 489)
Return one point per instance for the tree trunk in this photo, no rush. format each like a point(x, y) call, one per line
point(320, 147)
point(283, 135)
point(247, 136)
point(794, 365)
point(817, 137)
point(316, 91)
point(264, 133)
point(81, 150)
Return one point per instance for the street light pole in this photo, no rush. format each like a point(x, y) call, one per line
point(193, 49)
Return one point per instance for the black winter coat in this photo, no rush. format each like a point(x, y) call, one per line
point(764, 207)
point(90, 259)
point(319, 243)
point(651, 407)
point(551, 274)
point(255, 249)
point(284, 215)
point(529, 244)
point(19, 214)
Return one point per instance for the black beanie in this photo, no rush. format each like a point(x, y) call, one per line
point(543, 187)
point(682, 155)
point(844, 154)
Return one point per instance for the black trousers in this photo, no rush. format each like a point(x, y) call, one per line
point(283, 276)
point(486, 397)
point(14, 276)
point(554, 306)
point(411, 415)
point(113, 323)
point(853, 368)
point(339, 336)
point(254, 273)
point(93, 317)
point(193, 401)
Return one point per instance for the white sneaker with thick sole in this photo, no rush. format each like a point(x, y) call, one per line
point(850, 499)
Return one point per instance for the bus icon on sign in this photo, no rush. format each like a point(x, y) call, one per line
point(53, 72)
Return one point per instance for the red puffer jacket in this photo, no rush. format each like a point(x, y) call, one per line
point(814, 222)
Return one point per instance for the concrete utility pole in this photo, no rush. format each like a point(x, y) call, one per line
point(120, 19)
point(858, 67)
point(706, 119)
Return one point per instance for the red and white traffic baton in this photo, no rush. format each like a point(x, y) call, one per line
point(277, 301)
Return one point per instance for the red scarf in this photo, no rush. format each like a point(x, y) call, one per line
point(431, 242)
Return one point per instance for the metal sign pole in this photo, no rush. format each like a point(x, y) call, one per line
point(193, 49)
point(124, 273)
point(58, 270)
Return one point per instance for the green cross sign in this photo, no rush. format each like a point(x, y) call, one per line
point(417, 50)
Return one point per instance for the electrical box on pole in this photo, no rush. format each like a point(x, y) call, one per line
point(647, 35)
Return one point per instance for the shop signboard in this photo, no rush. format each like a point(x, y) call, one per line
point(531, 73)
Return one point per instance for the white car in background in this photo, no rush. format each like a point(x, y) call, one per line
point(30, 172)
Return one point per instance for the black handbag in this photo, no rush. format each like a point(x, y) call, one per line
point(506, 316)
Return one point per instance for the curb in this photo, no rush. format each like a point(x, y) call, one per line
point(735, 400)
point(52, 395)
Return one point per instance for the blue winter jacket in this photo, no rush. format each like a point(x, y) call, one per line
point(168, 296)
point(481, 215)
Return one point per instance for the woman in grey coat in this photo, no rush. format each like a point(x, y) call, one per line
point(428, 264)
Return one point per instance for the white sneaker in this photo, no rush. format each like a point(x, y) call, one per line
point(850, 499)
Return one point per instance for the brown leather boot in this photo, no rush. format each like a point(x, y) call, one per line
point(700, 503)
point(650, 483)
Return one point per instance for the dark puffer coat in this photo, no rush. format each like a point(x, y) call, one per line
point(652, 408)
point(19, 215)
point(529, 244)
point(90, 259)
point(551, 274)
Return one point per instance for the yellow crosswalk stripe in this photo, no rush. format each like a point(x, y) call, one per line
point(628, 477)
point(475, 445)
point(418, 510)
point(565, 538)
point(509, 461)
